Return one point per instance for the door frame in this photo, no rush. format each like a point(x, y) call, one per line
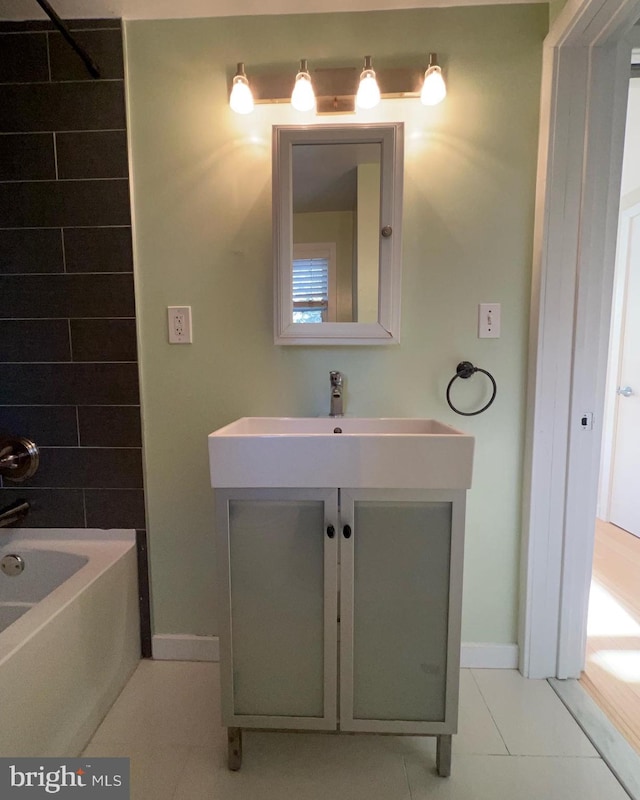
point(583, 110)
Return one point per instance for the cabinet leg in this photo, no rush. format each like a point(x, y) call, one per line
point(443, 755)
point(234, 739)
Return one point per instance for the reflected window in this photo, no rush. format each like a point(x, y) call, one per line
point(313, 286)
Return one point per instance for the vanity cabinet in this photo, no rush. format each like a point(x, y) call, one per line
point(340, 611)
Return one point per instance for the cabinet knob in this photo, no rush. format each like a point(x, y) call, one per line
point(331, 531)
point(346, 531)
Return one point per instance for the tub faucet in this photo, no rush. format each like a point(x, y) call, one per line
point(336, 394)
point(13, 513)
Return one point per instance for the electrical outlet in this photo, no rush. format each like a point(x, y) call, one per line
point(489, 321)
point(179, 319)
point(586, 421)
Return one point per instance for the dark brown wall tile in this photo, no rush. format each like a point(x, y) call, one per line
point(144, 594)
point(47, 426)
point(25, 26)
point(47, 25)
point(103, 339)
point(85, 106)
point(92, 24)
point(109, 426)
point(98, 249)
point(50, 508)
point(114, 508)
point(27, 156)
point(104, 47)
point(34, 340)
point(66, 296)
point(53, 204)
point(92, 154)
point(32, 250)
point(23, 58)
point(57, 300)
point(86, 467)
point(69, 384)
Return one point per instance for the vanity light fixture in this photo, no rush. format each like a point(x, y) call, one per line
point(303, 97)
point(368, 95)
point(434, 89)
point(241, 98)
point(337, 90)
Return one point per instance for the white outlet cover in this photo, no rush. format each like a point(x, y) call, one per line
point(179, 324)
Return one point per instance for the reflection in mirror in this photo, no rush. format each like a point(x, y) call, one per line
point(336, 223)
point(337, 212)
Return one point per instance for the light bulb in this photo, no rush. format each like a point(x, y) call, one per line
point(368, 91)
point(241, 99)
point(303, 97)
point(434, 89)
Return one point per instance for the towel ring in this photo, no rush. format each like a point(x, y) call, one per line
point(465, 369)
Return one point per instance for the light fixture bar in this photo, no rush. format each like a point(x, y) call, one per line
point(335, 88)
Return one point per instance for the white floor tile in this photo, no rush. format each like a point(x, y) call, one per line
point(166, 702)
point(155, 769)
point(530, 717)
point(477, 732)
point(516, 778)
point(298, 766)
point(167, 721)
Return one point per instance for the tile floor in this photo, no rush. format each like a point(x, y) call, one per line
point(516, 742)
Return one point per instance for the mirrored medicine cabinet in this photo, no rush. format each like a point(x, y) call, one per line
point(337, 216)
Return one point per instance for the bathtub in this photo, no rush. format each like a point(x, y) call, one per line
point(69, 636)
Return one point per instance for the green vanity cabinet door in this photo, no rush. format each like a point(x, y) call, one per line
point(400, 600)
point(279, 632)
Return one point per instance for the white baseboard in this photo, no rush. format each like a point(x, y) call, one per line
point(185, 647)
point(489, 656)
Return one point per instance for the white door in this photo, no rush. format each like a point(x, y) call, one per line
point(625, 486)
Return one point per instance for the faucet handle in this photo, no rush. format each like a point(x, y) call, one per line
point(19, 458)
point(336, 378)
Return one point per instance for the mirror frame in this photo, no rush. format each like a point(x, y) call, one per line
point(387, 329)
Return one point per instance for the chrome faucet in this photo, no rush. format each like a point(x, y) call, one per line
point(336, 394)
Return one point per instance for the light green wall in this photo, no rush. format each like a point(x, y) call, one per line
point(202, 208)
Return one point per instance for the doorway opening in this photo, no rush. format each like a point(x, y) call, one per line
point(612, 663)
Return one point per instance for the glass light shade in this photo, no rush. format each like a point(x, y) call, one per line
point(303, 97)
point(241, 100)
point(434, 89)
point(368, 91)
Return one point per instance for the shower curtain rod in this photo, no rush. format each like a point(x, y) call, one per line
point(89, 63)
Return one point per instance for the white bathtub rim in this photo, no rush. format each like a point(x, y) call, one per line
point(66, 535)
point(102, 547)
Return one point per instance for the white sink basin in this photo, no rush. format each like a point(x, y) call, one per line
point(340, 452)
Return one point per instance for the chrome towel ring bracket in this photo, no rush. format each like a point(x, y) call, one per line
point(19, 458)
point(464, 370)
